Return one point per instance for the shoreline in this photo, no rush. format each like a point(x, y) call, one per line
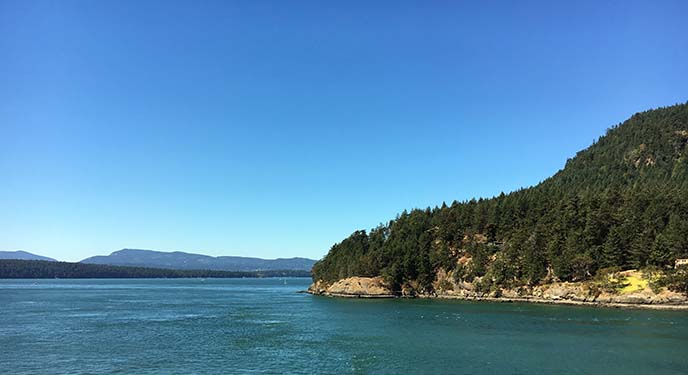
point(558, 293)
point(542, 301)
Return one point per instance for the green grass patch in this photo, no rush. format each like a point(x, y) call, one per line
point(634, 283)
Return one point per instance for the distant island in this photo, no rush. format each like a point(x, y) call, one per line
point(178, 260)
point(41, 269)
point(610, 227)
point(135, 263)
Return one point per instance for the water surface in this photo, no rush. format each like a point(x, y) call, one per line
point(262, 326)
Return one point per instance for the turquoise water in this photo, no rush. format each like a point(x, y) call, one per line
point(262, 326)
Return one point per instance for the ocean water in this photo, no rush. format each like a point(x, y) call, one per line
point(262, 326)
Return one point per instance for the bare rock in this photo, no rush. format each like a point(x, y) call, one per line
point(370, 287)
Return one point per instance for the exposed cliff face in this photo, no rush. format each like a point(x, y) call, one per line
point(574, 292)
point(568, 292)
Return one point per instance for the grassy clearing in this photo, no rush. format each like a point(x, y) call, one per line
point(634, 282)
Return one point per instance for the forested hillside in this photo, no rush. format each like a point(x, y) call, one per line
point(622, 202)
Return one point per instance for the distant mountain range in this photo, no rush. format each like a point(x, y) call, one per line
point(23, 255)
point(178, 260)
point(186, 261)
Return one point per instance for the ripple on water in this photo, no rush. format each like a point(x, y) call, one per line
point(259, 326)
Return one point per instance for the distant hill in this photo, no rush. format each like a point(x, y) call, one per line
point(23, 255)
point(187, 261)
point(40, 269)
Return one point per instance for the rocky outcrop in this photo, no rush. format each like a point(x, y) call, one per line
point(363, 287)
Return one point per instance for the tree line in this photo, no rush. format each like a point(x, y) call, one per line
point(40, 269)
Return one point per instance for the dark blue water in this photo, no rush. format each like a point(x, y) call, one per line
point(262, 326)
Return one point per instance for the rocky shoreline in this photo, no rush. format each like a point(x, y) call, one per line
point(577, 294)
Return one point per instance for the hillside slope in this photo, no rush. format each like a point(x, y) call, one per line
point(23, 255)
point(620, 203)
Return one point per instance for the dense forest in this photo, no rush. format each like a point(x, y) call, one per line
point(621, 203)
point(40, 269)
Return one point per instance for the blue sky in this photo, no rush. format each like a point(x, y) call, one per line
point(275, 129)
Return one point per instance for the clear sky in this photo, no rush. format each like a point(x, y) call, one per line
point(275, 129)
